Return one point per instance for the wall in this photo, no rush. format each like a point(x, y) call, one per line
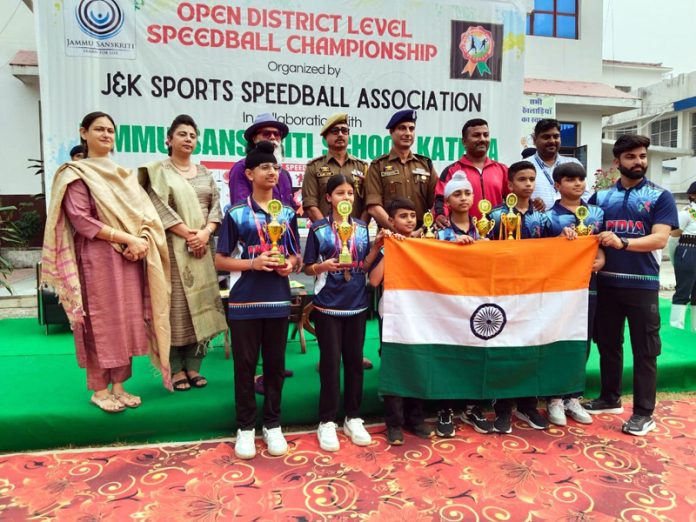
point(632, 76)
point(590, 135)
point(19, 133)
point(657, 104)
point(573, 60)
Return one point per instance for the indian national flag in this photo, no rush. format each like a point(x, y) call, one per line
point(494, 319)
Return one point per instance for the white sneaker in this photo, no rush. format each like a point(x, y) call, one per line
point(245, 446)
point(328, 440)
point(557, 412)
point(577, 412)
point(354, 429)
point(275, 441)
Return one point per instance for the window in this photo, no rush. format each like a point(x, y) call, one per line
point(663, 133)
point(569, 134)
point(693, 133)
point(557, 18)
point(620, 131)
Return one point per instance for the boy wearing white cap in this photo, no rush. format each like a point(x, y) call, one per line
point(459, 198)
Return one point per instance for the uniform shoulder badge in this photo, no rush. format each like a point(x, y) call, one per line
point(424, 159)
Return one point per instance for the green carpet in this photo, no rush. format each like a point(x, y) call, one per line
point(45, 403)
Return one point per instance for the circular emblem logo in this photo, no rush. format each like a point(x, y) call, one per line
point(344, 208)
point(476, 44)
point(487, 321)
point(274, 207)
point(485, 206)
point(100, 19)
point(582, 212)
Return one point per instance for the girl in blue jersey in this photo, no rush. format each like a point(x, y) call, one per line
point(259, 303)
point(341, 303)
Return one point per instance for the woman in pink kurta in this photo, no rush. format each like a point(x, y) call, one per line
point(114, 272)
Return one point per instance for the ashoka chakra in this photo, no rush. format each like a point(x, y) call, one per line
point(488, 321)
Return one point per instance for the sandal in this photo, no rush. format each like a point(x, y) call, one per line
point(196, 381)
point(181, 385)
point(108, 404)
point(125, 398)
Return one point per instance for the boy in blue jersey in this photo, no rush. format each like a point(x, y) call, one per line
point(399, 412)
point(534, 224)
point(638, 218)
point(259, 302)
point(569, 182)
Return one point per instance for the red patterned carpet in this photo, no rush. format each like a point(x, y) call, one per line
point(572, 474)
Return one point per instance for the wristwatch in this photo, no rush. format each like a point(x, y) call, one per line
point(624, 243)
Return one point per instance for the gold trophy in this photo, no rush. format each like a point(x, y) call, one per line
point(275, 229)
point(510, 223)
point(581, 213)
point(484, 225)
point(344, 231)
point(428, 221)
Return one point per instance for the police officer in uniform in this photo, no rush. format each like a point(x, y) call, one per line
point(337, 161)
point(400, 174)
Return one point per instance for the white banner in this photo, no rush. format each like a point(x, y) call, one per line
point(224, 62)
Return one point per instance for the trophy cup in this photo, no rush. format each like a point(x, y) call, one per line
point(484, 225)
point(344, 231)
point(428, 221)
point(581, 213)
point(275, 229)
point(510, 223)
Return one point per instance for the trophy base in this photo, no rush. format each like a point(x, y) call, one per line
point(281, 259)
point(345, 259)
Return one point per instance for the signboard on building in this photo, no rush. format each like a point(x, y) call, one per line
point(535, 107)
point(225, 62)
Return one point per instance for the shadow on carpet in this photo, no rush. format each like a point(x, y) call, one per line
point(572, 473)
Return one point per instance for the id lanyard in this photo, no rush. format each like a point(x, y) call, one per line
point(259, 228)
point(544, 169)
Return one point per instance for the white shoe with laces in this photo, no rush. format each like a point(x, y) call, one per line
point(245, 446)
point(328, 439)
point(557, 412)
point(577, 412)
point(355, 429)
point(275, 441)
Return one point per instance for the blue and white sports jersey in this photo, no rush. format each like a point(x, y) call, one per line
point(560, 217)
point(631, 214)
point(452, 232)
point(257, 293)
point(534, 224)
point(333, 295)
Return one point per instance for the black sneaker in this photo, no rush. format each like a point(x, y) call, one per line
point(597, 406)
point(395, 436)
point(503, 423)
point(639, 425)
point(474, 417)
point(532, 417)
point(445, 426)
point(421, 430)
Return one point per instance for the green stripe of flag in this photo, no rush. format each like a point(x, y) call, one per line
point(430, 371)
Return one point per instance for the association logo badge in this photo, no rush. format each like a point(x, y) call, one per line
point(100, 19)
point(100, 28)
point(475, 52)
